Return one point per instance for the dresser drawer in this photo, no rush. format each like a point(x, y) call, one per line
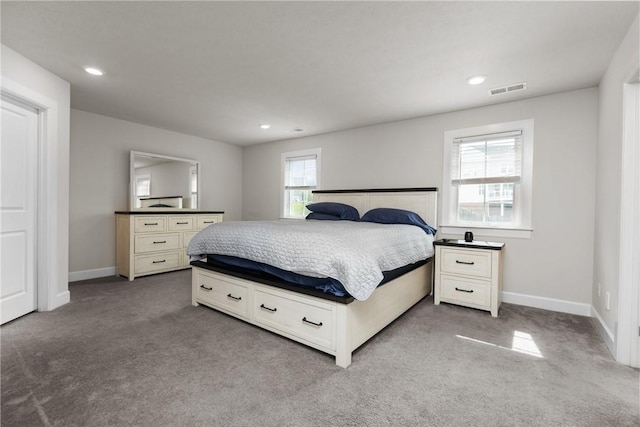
point(145, 224)
point(206, 220)
point(314, 323)
point(466, 262)
point(465, 291)
point(182, 222)
point(188, 235)
point(225, 294)
point(157, 262)
point(156, 242)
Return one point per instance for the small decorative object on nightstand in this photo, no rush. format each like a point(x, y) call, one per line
point(469, 274)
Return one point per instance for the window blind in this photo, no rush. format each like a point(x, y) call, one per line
point(143, 186)
point(300, 173)
point(193, 182)
point(487, 159)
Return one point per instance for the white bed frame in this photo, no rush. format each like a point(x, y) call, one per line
point(343, 327)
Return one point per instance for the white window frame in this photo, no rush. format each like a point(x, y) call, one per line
point(145, 177)
point(193, 195)
point(522, 226)
point(283, 161)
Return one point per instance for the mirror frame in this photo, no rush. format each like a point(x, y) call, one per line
point(132, 181)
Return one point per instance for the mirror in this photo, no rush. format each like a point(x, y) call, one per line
point(163, 182)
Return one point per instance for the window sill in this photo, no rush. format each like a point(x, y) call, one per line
point(457, 230)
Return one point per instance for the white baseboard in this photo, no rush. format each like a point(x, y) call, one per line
point(61, 299)
point(604, 331)
point(75, 276)
point(547, 303)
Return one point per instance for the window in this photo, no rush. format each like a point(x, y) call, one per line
point(143, 187)
point(193, 187)
point(300, 176)
point(487, 179)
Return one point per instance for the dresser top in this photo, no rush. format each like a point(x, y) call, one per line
point(167, 212)
point(475, 244)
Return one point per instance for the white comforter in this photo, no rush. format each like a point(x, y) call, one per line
point(355, 253)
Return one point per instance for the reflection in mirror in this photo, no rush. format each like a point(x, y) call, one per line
point(163, 182)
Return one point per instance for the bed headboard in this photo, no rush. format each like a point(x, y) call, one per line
point(423, 201)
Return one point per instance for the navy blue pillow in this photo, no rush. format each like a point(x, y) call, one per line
point(397, 216)
point(323, 216)
point(339, 210)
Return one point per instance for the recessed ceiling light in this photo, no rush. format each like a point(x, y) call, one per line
point(94, 71)
point(265, 126)
point(476, 80)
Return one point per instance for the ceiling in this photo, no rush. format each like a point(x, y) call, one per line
point(220, 69)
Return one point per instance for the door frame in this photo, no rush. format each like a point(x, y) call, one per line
point(47, 197)
point(628, 331)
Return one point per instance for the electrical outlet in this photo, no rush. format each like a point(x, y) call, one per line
point(599, 289)
point(607, 297)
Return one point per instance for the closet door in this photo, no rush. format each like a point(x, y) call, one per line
point(18, 214)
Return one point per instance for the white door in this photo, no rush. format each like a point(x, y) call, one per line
point(628, 337)
point(18, 197)
point(636, 226)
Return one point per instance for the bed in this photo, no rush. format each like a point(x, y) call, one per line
point(331, 322)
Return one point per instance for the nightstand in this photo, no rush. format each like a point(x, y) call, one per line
point(469, 274)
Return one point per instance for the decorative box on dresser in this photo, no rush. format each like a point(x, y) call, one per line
point(469, 274)
point(149, 242)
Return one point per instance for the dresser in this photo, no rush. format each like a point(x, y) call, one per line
point(149, 242)
point(469, 274)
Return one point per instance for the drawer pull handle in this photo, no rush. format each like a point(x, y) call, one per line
point(159, 262)
point(304, 319)
point(209, 222)
point(150, 223)
point(273, 310)
point(205, 288)
point(465, 262)
point(234, 298)
point(469, 291)
point(162, 241)
point(182, 223)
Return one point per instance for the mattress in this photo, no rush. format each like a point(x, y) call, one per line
point(324, 284)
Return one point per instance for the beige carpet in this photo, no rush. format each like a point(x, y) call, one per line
point(138, 354)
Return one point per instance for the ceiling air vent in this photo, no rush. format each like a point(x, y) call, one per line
point(507, 89)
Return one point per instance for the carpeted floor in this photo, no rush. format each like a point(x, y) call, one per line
point(138, 354)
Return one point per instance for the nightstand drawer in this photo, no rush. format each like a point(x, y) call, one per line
point(476, 263)
point(468, 292)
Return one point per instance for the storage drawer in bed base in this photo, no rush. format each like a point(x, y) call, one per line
point(333, 327)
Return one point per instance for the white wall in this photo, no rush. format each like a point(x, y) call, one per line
point(608, 185)
point(100, 149)
point(553, 263)
point(30, 75)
